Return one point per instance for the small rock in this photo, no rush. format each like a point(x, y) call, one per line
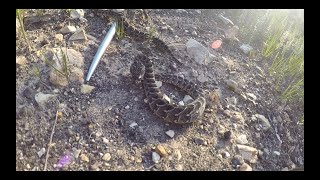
point(133, 124)
point(76, 153)
point(248, 153)
point(202, 78)
point(95, 166)
point(194, 33)
point(84, 158)
point(135, 99)
point(58, 37)
point(276, 153)
point(85, 89)
point(177, 154)
point(221, 129)
point(76, 13)
point(264, 121)
point(186, 31)
point(68, 29)
point(28, 166)
point(106, 157)
point(225, 154)
point(246, 48)
point(181, 11)
point(237, 160)
point(187, 99)
point(199, 52)
point(118, 10)
point(251, 97)
point(265, 150)
point(159, 84)
point(161, 150)
point(232, 84)
point(227, 135)
point(245, 167)
point(105, 140)
point(181, 103)
point(219, 156)
point(155, 157)
point(227, 113)
point(41, 152)
point(170, 133)
point(98, 134)
point(127, 107)
point(104, 32)
point(176, 36)
point(178, 167)
point(83, 20)
point(42, 99)
point(285, 169)
point(199, 141)
point(21, 60)
point(193, 73)
point(242, 139)
point(237, 116)
point(164, 27)
point(78, 35)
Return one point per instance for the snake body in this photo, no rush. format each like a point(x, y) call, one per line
point(170, 112)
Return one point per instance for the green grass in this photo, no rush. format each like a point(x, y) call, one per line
point(65, 69)
point(20, 15)
point(120, 29)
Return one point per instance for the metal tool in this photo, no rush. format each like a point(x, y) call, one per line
point(102, 48)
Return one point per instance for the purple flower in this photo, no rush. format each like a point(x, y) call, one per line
point(64, 161)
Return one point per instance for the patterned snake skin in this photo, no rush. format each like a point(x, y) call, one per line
point(142, 68)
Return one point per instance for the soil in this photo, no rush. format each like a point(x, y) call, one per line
point(114, 118)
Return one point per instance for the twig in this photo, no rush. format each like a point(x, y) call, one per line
point(50, 142)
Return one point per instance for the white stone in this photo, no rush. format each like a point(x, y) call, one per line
point(170, 133)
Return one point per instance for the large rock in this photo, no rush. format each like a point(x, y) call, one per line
point(199, 52)
point(75, 62)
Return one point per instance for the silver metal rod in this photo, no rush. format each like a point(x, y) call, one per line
point(102, 48)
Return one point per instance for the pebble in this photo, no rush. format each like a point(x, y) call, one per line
point(28, 166)
point(68, 29)
point(58, 37)
point(276, 153)
point(85, 89)
point(161, 150)
point(242, 139)
point(194, 33)
point(21, 60)
point(76, 153)
point(187, 99)
point(155, 157)
point(265, 150)
point(98, 134)
point(78, 35)
point(105, 140)
point(237, 160)
point(41, 152)
point(106, 157)
point(159, 84)
point(127, 107)
point(135, 99)
point(199, 141)
point(95, 166)
point(233, 85)
point(178, 167)
point(181, 103)
point(225, 154)
point(84, 158)
point(42, 99)
point(132, 125)
point(245, 167)
point(248, 153)
point(285, 169)
point(170, 133)
point(76, 13)
point(177, 154)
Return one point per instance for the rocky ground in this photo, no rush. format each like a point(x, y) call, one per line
point(105, 123)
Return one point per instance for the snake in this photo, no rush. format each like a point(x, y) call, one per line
point(142, 69)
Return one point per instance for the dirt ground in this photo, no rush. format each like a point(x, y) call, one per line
point(112, 128)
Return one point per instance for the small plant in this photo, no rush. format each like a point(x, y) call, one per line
point(120, 29)
point(65, 69)
point(68, 11)
point(152, 32)
point(20, 14)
